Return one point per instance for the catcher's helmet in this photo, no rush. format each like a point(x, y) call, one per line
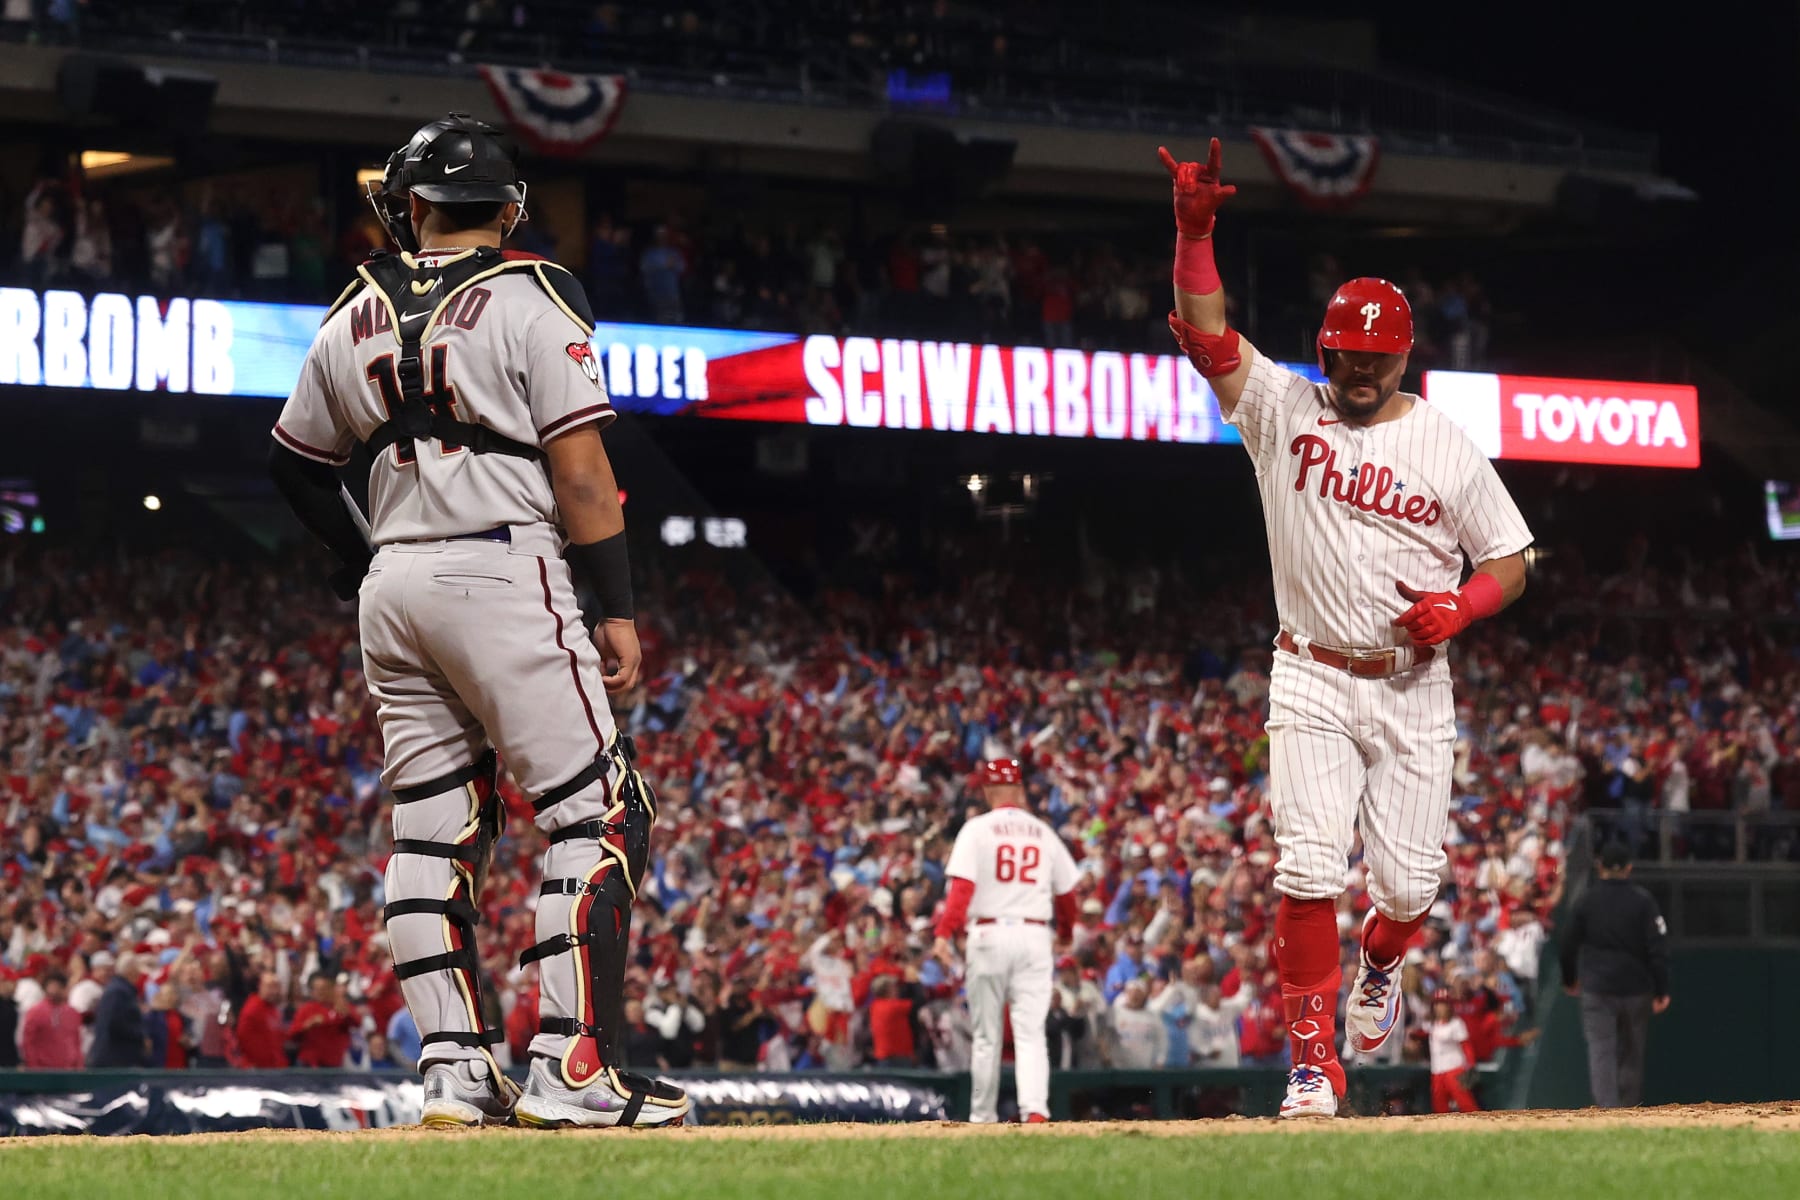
point(456, 160)
point(1366, 314)
point(999, 770)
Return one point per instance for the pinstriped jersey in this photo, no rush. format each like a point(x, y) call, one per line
point(1351, 508)
point(502, 352)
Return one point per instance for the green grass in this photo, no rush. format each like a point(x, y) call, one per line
point(1639, 1164)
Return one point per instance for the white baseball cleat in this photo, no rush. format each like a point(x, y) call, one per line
point(466, 1094)
point(1309, 1094)
point(614, 1098)
point(1373, 1008)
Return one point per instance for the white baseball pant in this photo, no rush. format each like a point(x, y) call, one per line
point(1009, 966)
point(1347, 752)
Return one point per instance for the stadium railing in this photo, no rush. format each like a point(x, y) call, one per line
point(1660, 835)
point(1098, 77)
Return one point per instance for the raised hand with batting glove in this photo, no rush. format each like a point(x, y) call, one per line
point(1198, 321)
point(1198, 192)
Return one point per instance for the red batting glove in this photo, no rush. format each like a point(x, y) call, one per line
point(1198, 192)
point(1435, 616)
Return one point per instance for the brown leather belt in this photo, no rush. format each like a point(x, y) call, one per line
point(997, 920)
point(1364, 664)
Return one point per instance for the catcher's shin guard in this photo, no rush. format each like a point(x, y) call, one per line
point(445, 831)
point(599, 828)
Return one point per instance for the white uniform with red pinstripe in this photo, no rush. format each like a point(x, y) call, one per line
point(468, 643)
point(1350, 509)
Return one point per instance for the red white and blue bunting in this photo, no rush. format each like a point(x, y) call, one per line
point(556, 113)
point(1325, 170)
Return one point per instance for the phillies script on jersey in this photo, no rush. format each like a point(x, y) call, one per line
point(1371, 488)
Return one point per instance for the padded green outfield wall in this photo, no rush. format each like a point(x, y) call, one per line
point(1729, 1035)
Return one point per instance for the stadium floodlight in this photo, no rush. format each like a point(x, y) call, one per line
point(726, 533)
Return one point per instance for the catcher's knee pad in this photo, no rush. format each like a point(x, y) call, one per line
point(445, 831)
point(599, 827)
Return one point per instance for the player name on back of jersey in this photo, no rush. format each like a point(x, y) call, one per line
point(1022, 826)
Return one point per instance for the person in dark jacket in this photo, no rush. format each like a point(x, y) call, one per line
point(643, 1043)
point(9, 1020)
point(119, 1036)
point(1615, 957)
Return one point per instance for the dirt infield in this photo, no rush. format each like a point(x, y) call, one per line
point(1778, 1117)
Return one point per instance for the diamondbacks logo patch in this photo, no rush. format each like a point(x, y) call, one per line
point(583, 354)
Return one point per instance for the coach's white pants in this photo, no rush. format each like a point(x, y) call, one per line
point(1347, 752)
point(1009, 966)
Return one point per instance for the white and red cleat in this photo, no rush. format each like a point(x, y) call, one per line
point(1309, 1094)
point(1373, 1008)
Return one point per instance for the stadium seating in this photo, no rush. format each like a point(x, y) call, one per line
point(192, 774)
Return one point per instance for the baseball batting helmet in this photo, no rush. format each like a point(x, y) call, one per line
point(1366, 314)
point(1000, 770)
point(455, 160)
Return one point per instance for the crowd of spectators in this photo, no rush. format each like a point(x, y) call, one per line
point(234, 239)
point(228, 240)
point(191, 803)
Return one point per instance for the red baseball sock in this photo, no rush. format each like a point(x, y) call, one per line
point(1386, 939)
point(1306, 956)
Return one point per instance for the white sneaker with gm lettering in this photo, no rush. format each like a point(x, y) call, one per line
point(467, 1093)
point(614, 1098)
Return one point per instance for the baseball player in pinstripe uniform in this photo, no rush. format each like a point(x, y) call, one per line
point(1372, 499)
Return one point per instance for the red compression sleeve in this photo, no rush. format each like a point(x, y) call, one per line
point(1065, 915)
point(1306, 942)
point(1484, 595)
point(1195, 271)
point(956, 906)
point(1387, 938)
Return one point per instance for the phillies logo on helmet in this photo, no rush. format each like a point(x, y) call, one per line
point(1001, 770)
point(1366, 314)
point(583, 354)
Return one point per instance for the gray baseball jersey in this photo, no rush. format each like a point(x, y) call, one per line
point(503, 354)
point(472, 642)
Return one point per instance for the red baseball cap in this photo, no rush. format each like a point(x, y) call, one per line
point(999, 771)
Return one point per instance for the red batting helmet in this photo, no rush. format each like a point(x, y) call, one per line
point(999, 770)
point(1366, 314)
